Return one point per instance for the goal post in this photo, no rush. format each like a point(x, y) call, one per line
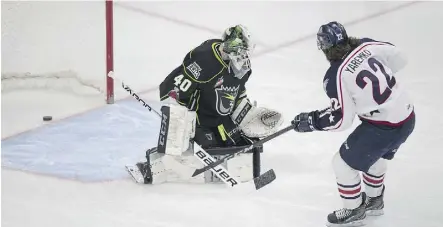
point(109, 51)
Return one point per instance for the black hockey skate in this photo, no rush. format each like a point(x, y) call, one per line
point(348, 217)
point(145, 170)
point(375, 205)
point(141, 172)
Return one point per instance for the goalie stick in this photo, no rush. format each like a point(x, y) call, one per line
point(133, 94)
point(255, 144)
point(258, 182)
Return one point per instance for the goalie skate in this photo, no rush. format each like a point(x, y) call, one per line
point(140, 172)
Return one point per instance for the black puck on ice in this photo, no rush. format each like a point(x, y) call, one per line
point(47, 118)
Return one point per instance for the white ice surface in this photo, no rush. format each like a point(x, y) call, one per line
point(305, 189)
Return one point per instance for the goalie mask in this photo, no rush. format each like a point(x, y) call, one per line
point(238, 47)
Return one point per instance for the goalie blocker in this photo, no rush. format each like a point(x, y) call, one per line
point(174, 159)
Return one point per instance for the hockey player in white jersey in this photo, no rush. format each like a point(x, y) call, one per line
point(361, 80)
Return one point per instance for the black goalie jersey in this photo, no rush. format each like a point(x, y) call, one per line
point(205, 83)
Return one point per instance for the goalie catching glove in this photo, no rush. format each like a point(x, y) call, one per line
point(256, 122)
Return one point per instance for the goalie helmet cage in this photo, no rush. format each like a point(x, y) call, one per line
point(63, 46)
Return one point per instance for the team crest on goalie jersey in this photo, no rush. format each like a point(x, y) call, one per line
point(195, 69)
point(225, 99)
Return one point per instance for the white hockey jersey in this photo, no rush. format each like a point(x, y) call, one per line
point(364, 84)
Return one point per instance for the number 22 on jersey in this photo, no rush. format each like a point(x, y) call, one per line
point(182, 83)
point(375, 76)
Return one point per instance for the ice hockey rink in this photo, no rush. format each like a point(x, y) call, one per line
point(70, 171)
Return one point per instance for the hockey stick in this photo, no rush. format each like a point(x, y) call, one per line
point(133, 94)
point(255, 144)
point(204, 157)
point(259, 182)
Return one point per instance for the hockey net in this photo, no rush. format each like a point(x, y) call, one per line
point(64, 81)
point(58, 46)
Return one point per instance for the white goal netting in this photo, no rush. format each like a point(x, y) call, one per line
point(65, 81)
point(63, 46)
point(54, 46)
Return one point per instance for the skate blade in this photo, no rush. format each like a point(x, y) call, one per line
point(135, 173)
point(375, 212)
point(350, 224)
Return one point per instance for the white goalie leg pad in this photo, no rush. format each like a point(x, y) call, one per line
point(158, 169)
point(179, 169)
point(176, 130)
point(256, 122)
point(175, 169)
point(241, 167)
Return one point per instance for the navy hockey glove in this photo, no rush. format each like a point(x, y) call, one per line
point(304, 122)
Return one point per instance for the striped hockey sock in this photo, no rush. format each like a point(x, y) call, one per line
point(373, 184)
point(351, 194)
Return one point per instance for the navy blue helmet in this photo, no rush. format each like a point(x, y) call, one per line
point(331, 34)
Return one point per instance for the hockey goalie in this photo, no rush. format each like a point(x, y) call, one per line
point(204, 104)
